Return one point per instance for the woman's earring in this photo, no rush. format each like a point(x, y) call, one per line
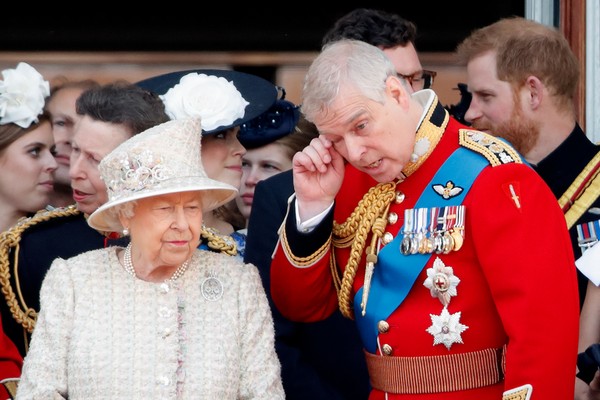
point(125, 231)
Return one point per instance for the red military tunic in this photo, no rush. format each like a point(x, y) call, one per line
point(514, 278)
point(11, 361)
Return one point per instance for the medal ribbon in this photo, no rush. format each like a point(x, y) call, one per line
point(587, 234)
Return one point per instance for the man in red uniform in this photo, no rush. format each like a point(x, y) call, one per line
point(445, 247)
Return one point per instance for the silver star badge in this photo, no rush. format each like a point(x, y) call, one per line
point(446, 328)
point(441, 282)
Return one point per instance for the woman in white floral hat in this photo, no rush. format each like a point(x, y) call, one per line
point(224, 100)
point(158, 319)
point(26, 145)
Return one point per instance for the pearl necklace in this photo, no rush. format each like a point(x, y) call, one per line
point(128, 265)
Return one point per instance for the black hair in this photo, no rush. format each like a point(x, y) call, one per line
point(376, 27)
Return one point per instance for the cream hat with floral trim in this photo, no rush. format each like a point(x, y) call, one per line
point(161, 160)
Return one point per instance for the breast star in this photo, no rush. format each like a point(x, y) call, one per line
point(446, 328)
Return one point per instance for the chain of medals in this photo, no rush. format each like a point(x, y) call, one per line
point(438, 230)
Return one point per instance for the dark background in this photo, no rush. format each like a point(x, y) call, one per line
point(284, 26)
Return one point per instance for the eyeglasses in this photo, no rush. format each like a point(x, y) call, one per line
point(423, 81)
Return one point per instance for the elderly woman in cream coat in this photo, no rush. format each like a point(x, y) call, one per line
point(159, 319)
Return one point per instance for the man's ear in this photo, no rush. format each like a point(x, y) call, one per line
point(396, 89)
point(536, 91)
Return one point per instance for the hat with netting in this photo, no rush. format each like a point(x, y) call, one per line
point(161, 160)
point(222, 99)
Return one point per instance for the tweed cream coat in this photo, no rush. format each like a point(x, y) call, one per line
point(102, 334)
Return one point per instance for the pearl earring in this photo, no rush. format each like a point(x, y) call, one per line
point(125, 231)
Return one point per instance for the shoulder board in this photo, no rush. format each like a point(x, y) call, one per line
point(44, 215)
point(496, 150)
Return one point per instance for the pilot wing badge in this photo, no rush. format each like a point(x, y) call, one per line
point(447, 191)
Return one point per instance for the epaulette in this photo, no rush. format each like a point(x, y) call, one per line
point(495, 149)
point(10, 239)
point(217, 242)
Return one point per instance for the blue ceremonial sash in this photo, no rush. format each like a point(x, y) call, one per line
point(395, 273)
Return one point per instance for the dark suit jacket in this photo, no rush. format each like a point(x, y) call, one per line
point(321, 360)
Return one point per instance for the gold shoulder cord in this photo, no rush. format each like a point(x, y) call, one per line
point(22, 313)
point(217, 242)
point(582, 192)
point(370, 215)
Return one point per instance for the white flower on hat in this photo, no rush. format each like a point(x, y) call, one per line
point(22, 95)
point(214, 99)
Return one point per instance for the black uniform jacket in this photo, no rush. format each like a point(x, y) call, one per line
point(28, 250)
point(559, 169)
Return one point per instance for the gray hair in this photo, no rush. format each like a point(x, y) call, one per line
point(127, 209)
point(352, 63)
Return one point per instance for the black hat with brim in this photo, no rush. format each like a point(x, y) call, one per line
point(258, 92)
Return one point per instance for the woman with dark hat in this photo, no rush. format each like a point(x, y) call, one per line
point(224, 100)
point(271, 140)
point(158, 318)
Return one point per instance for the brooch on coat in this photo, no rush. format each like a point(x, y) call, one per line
point(211, 288)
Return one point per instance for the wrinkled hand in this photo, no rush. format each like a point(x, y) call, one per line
point(318, 175)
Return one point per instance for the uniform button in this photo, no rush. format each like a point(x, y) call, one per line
point(164, 288)
point(387, 238)
point(163, 380)
point(387, 349)
point(166, 333)
point(383, 326)
point(164, 312)
point(399, 197)
point(392, 218)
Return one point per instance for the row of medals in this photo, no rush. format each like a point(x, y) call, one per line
point(420, 239)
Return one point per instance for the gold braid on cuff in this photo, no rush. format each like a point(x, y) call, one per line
point(369, 216)
point(303, 261)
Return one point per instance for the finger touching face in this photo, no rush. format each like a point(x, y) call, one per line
point(375, 137)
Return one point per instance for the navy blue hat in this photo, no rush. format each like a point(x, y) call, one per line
point(222, 99)
point(278, 121)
